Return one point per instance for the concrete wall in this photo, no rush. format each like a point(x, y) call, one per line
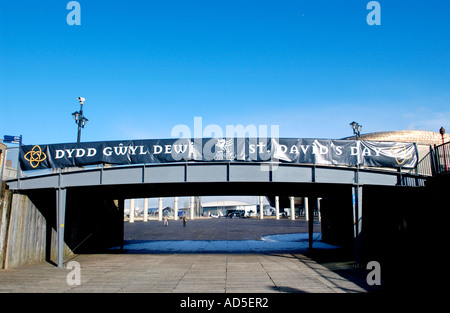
point(26, 234)
point(5, 212)
point(93, 223)
point(403, 229)
point(398, 227)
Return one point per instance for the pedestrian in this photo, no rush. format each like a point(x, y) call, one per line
point(166, 221)
point(184, 220)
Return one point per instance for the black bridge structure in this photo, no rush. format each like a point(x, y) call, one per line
point(87, 203)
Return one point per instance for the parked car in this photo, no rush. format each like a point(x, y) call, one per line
point(236, 213)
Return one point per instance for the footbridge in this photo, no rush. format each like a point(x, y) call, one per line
point(83, 186)
point(135, 180)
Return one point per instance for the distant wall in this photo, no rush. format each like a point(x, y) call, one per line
point(417, 136)
point(94, 221)
point(336, 211)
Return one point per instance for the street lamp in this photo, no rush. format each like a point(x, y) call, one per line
point(79, 118)
point(357, 199)
point(442, 132)
point(356, 129)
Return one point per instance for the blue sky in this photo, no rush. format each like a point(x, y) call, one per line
point(310, 67)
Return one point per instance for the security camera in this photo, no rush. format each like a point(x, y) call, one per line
point(81, 99)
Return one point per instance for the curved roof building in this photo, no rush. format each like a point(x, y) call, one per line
point(421, 137)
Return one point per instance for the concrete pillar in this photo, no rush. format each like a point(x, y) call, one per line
point(145, 209)
point(318, 209)
point(306, 205)
point(60, 220)
point(131, 210)
point(357, 221)
point(3, 162)
point(292, 208)
point(121, 203)
point(311, 220)
point(175, 208)
point(160, 208)
point(261, 207)
point(192, 207)
point(277, 207)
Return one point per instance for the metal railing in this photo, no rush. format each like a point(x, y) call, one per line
point(425, 166)
point(435, 162)
point(442, 158)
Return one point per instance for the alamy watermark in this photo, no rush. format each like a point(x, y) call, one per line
point(220, 144)
point(374, 16)
point(231, 131)
point(74, 16)
point(374, 276)
point(74, 276)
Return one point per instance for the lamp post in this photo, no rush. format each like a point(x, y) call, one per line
point(357, 200)
point(80, 120)
point(356, 129)
point(442, 132)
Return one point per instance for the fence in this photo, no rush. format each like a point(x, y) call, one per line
point(442, 158)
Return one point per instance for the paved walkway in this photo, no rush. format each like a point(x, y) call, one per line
point(183, 273)
point(250, 271)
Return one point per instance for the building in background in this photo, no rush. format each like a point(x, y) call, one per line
point(226, 207)
point(424, 139)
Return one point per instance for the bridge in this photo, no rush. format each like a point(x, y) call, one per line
point(65, 194)
point(134, 179)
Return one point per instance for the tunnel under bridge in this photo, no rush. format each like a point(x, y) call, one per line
point(87, 205)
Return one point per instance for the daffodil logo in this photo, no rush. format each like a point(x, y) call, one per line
point(35, 156)
point(401, 153)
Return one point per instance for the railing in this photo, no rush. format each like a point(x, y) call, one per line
point(437, 161)
point(411, 180)
point(442, 158)
point(425, 166)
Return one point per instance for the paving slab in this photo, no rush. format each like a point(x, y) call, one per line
point(234, 276)
point(197, 272)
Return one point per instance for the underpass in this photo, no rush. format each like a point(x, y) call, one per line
point(367, 211)
point(88, 205)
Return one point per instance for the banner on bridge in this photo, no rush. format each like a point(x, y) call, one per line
point(312, 151)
